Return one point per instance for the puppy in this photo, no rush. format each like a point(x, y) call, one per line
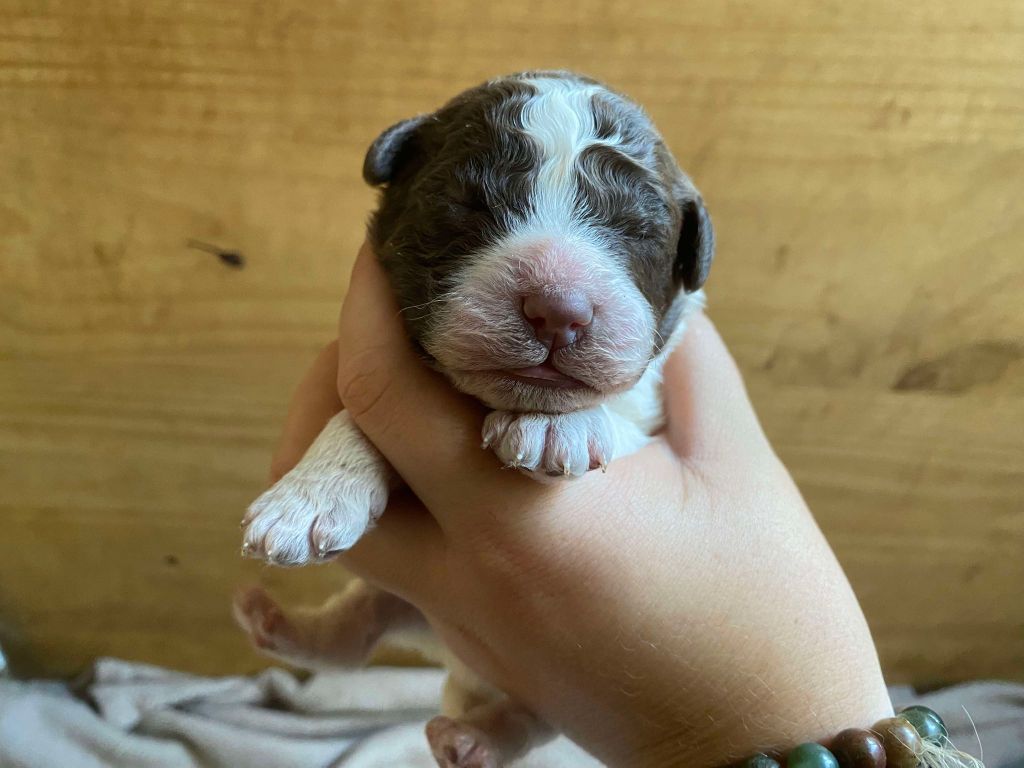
point(545, 249)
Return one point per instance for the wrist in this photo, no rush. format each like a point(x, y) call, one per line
point(773, 722)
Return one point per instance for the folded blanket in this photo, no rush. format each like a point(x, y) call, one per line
point(139, 716)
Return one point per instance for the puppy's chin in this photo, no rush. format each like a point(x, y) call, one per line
point(510, 392)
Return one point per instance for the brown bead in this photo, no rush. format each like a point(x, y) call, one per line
point(855, 748)
point(900, 740)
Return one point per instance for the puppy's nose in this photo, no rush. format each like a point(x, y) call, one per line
point(558, 318)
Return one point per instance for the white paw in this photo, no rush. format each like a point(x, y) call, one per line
point(308, 516)
point(552, 444)
point(324, 504)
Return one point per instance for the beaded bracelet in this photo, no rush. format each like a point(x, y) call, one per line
point(915, 738)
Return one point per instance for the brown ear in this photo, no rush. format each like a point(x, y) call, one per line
point(388, 151)
point(696, 247)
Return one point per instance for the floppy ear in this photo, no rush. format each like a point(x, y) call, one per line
point(385, 155)
point(696, 247)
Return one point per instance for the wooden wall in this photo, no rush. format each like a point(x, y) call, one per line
point(864, 163)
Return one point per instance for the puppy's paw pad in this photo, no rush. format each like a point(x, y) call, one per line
point(457, 745)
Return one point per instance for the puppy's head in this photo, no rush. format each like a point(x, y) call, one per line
point(540, 238)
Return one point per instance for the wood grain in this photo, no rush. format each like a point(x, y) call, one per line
point(863, 163)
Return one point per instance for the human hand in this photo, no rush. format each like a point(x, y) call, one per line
point(681, 609)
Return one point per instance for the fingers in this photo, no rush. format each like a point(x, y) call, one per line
point(427, 431)
point(709, 412)
point(313, 404)
point(403, 553)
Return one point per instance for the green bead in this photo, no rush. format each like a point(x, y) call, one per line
point(927, 723)
point(811, 756)
point(760, 760)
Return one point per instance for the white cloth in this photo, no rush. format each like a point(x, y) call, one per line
point(132, 715)
point(138, 716)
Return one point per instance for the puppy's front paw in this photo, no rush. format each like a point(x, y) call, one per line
point(555, 444)
point(324, 504)
point(307, 517)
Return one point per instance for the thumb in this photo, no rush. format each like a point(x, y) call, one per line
point(709, 412)
point(425, 429)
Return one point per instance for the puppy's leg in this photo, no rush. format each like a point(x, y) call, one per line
point(488, 736)
point(324, 504)
point(340, 633)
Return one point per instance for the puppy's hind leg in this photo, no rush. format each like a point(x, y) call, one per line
point(490, 735)
point(340, 633)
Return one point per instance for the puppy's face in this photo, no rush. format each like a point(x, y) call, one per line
point(540, 238)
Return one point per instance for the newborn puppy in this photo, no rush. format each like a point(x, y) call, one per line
point(545, 249)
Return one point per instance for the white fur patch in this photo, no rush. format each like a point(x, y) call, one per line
point(561, 120)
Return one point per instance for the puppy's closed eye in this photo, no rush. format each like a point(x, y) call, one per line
point(471, 199)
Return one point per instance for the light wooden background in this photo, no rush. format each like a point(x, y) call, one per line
point(864, 163)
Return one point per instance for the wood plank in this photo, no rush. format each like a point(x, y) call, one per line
point(862, 163)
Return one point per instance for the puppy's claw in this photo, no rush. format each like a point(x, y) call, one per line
point(562, 445)
point(485, 444)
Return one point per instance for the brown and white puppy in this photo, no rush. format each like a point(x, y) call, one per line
point(545, 249)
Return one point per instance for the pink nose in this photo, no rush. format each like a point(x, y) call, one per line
point(558, 318)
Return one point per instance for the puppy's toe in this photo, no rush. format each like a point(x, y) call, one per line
point(600, 443)
point(338, 527)
point(566, 452)
point(457, 745)
point(517, 439)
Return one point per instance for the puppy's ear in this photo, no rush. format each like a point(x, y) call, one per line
point(389, 150)
point(696, 246)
